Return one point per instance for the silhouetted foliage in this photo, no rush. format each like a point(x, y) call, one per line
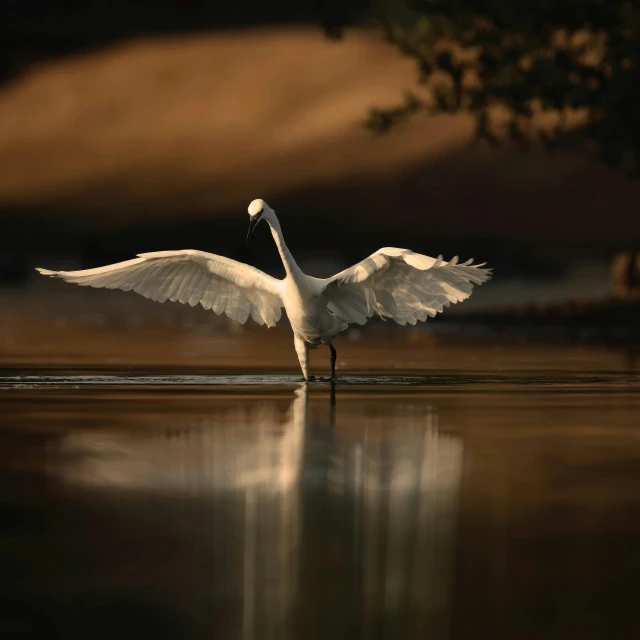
point(564, 72)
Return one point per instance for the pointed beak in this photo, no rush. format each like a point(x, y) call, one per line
point(253, 223)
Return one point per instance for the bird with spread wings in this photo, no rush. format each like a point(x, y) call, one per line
point(392, 283)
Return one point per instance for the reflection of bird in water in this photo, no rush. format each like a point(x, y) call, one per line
point(391, 283)
point(234, 448)
point(281, 515)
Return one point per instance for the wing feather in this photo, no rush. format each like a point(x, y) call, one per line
point(402, 285)
point(221, 299)
point(211, 293)
point(190, 277)
point(187, 274)
point(190, 285)
point(131, 278)
point(177, 278)
point(144, 278)
point(199, 289)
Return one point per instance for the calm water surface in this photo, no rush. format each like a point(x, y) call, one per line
point(475, 505)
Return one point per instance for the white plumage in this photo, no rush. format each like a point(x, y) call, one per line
point(191, 277)
point(392, 283)
point(401, 285)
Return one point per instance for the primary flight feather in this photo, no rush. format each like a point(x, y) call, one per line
point(395, 284)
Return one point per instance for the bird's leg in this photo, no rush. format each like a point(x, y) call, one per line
point(332, 402)
point(333, 361)
point(303, 356)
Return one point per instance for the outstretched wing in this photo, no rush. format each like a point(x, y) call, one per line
point(401, 285)
point(191, 277)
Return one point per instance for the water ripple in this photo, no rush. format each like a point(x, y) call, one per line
point(615, 379)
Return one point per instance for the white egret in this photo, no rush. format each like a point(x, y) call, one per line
point(391, 283)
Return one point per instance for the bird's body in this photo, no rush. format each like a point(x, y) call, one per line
point(307, 308)
point(391, 283)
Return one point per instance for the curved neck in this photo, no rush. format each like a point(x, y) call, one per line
point(290, 265)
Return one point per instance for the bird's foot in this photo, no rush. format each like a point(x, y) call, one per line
point(329, 379)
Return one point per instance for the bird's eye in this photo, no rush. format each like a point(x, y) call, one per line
point(261, 211)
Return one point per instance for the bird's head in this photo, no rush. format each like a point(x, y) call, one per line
point(258, 210)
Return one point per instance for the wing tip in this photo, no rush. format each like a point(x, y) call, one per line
point(48, 272)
